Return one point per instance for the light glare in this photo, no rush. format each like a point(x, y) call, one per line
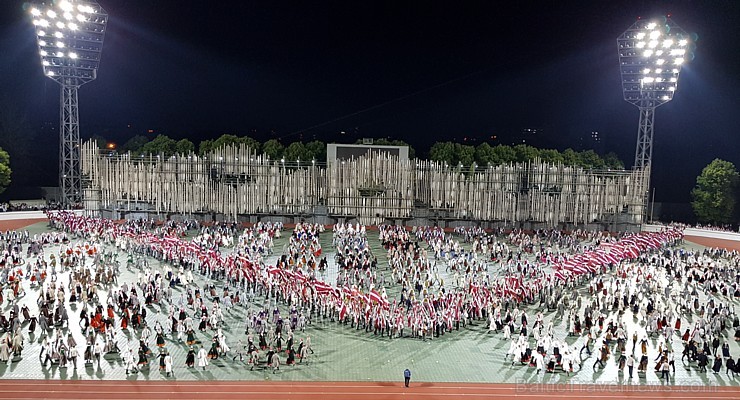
point(35, 12)
point(81, 18)
point(647, 53)
point(678, 52)
point(51, 14)
point(682, 42)
point(640, 45)
point(654, 35)
point(651, 25)
point(640, 35)
point(68, 16)
point(667, 43)
point(44, 23)
point(678, 61)
point(72, 26)
point(66, 6)
point(653, 44)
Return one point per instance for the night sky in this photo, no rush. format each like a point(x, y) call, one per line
point(418, 71)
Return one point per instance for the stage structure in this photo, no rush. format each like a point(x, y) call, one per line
point(70, 40)
point(236, 183)
point(651, 53)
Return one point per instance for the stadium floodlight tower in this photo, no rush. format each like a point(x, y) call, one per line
point(651, 53)
point(70, 40)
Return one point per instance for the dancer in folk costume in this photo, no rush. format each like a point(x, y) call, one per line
point(202, 358)
point(190, 358)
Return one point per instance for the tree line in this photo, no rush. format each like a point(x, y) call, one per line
point(448, 152)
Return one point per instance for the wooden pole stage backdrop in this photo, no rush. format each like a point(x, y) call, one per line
point(234, 180)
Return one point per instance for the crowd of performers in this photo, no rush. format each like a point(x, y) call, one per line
point(675, 296)
point(127, 305)
point(425, 308)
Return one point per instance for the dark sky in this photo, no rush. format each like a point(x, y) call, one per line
point(420, 71)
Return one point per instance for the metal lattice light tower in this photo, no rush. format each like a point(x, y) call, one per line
point(651, 53)
point(70, 37)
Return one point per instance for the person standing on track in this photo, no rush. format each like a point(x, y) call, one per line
point(406, 377)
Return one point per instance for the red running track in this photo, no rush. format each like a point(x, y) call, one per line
point(201, 390)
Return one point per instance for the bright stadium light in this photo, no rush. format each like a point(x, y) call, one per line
point(651, 54)
point(71, 57)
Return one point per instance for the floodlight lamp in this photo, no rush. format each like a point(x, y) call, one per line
point(678, 61)
point(675, 70)
point(651, 26)
point(659, 61)
point(60, 54)
point(60, 24)
point(648, 79)
point(42, 33)
point(51, 14)
point(43, 53)
point(73, 56)
point(653, 44)
point(667, 43)
point(672, 88)
point(44, 63)
point(647, 53)
point(42, 43)
point(43, 23)
point(35, 12)
point(683, 42)
point(640, 45)
point(659, 52)
point(666, 97)
point(50, 73)
point(640, 35)
point(646, 71)
point(654, 35)
point(60, 45)
point(68, 15)
point(58, 35)
point(81, 18)
point(674, 79)
point(72, 26)
point(66, 5)
point(659, 70)
point(678, 52)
